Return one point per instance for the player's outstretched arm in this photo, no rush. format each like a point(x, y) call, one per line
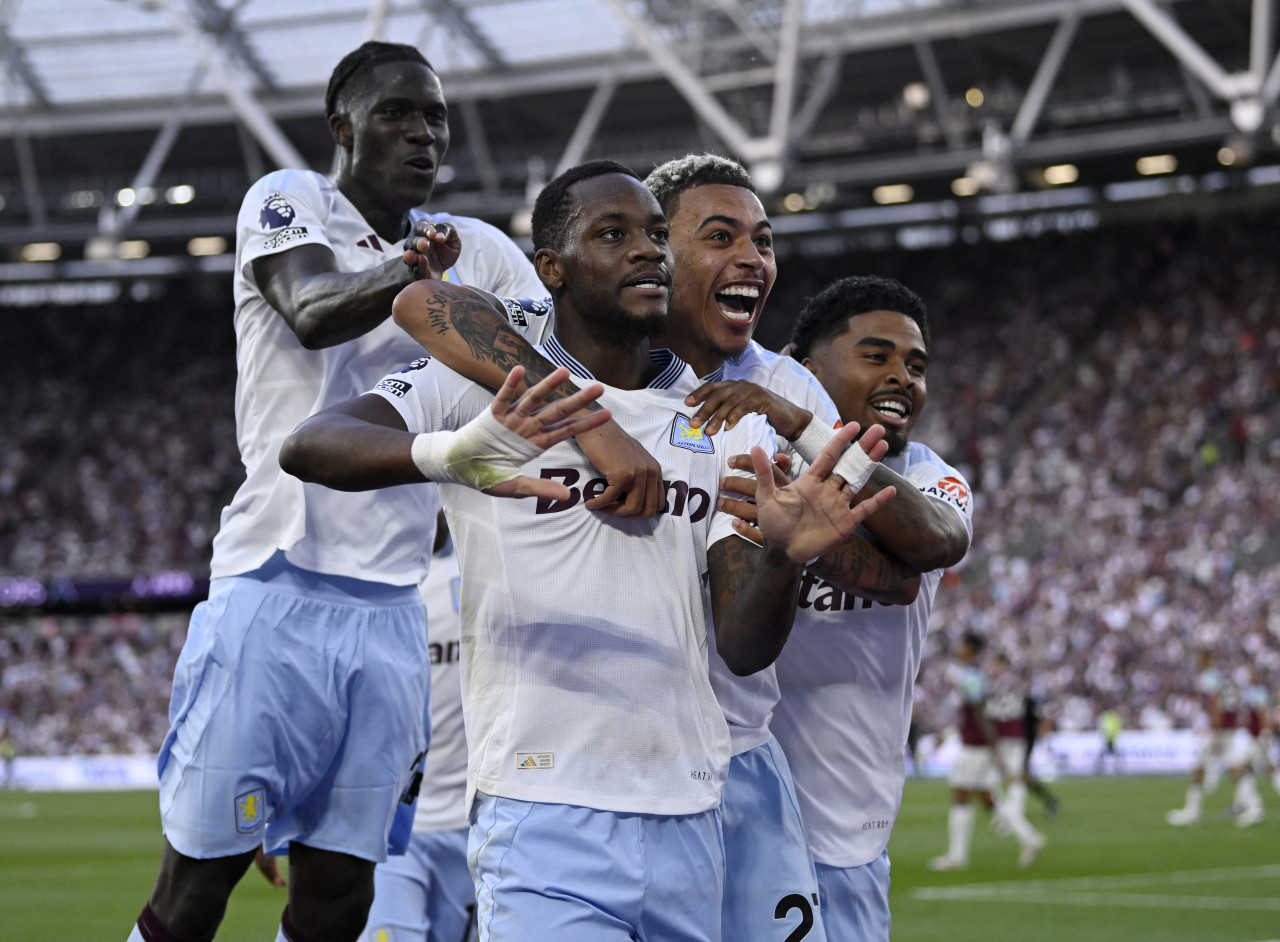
point(753, 589)
point(468, 332)
point(856, 566)
point(362, 444)
point(918, 530)
point(726, 402)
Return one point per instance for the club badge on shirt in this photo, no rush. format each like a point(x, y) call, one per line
point(684, 435)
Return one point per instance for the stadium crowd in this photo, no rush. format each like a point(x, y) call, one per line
point(1113, 397)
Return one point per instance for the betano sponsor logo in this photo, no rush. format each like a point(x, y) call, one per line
point(680, 497)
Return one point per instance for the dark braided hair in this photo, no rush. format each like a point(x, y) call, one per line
point(552, 209)
point(361, 62)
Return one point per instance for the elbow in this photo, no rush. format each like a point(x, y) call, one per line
point(295, 457)
point(408, 302)
point(745, 667)
point(907, 593)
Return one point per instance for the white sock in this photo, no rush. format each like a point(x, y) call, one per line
point(1193, 798)
point(1247, 797)
point(959, 831)
point(1017, 797)
point(135, 935)
point(1018, 823)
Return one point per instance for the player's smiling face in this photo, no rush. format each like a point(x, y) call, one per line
point(616, 264)
point(396, 125)
point(875, 373)
point(725, 267)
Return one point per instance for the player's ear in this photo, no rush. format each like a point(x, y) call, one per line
point(546, 262)
point(813, 366)
point(340, 130)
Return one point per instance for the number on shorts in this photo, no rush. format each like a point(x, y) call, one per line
point(795, 901)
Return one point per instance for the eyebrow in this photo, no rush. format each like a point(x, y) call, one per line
point(881, 343)
point(734, 223)
point(657, 219)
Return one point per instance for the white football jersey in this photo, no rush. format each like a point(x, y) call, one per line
point(748, 702)
point(379, 536)
point(441, 802)
point(846, 676)
point(583, 635)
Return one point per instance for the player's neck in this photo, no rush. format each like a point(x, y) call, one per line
point(621, 366)
point(391, 223)
point(704, 359)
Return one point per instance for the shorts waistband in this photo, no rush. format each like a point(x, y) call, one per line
point(279, 573)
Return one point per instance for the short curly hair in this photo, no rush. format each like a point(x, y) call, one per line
point(826, 314)
point(669, 180)
point(363, 60)
point(554, 206)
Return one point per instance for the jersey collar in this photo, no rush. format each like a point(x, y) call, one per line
point(671, 365)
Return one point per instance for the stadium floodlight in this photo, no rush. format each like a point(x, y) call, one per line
point(1060, 174)
point(793, 202)
point(1157, 164)
point(181, 194)
point(125, 196)
point(1227, 156)
point(133, 248)
point(965, 186)
point(41, 252)
point(916, 96)
point(974, 97)
point(893, 193)
point(207, 245)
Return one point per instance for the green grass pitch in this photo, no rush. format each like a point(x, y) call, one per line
point(77, 868)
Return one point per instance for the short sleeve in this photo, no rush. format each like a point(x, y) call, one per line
point(753, 430)
point(938, 480)
point(283, 210)
point(430, 397)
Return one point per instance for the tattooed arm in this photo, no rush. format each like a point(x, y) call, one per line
point(468, 332)
point(918, 530)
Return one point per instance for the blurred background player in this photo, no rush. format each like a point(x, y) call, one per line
point(978, 771)
point(427, 895)
point(1250, 753)
point(602, 249)
point(301, 575)
point(1034, 723)
point(1222, 706)
point(1110, 726)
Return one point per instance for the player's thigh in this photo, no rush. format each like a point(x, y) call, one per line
point(855, 901)
point(973, 770)
point(1013, 756)
point(451, 895)
point(771, 890)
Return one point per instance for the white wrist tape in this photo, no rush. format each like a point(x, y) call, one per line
point(482, 454)
point(854, 465)
point(812, 440)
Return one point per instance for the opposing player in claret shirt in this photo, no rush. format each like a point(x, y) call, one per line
point(1222, 703)
point(598, 750)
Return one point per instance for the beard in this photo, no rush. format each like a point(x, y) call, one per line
point(612, 324)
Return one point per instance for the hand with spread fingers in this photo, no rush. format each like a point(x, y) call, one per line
point(807, 517)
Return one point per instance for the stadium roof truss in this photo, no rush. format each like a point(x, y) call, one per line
point(826, 98)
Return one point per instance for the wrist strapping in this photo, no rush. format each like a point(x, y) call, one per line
point(853, 465)
point(482, 454)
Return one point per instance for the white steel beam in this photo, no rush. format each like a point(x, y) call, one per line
point(1046, 74)
point(1174, 38)
point(588, 123)
point(241, 99)
point(937, 91)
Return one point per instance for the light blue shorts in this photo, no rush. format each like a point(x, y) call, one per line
point(426, 895)
point(561, 873)
point(770, 888)
point(299, 712)
point(855, 901)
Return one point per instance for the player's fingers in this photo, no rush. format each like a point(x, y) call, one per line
point(764, 477)
point(609, 501)
point(701, 393)
point(745, 487)
point(742, 509)
point(567, 428)
point(865, 508)
point(830, 454)
point(706, 417)
point(748, 532)
point(783, 460)
point(561, 409)
point(525, 486)
point(536, 395)
point(506, 394)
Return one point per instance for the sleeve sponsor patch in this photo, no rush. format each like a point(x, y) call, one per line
point(520, 310)
point(951, 490)
point(285, 236)
point(415, 365)
point(396, 387)
point(276, 212)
